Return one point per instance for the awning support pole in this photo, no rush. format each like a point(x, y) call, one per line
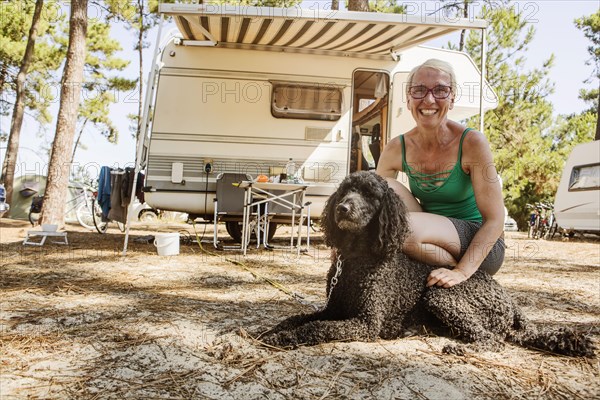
point(482, 79)
point(141, 140)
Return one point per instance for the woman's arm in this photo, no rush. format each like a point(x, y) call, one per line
point(478, 161)
point(390, 163)
point(488, 195)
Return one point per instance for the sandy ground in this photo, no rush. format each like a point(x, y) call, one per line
point(81, 321)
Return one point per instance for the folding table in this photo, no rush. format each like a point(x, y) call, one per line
point(283, 194)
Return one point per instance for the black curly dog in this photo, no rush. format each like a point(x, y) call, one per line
point(381, 292)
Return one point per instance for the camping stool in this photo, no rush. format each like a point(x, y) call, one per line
point(45, 235)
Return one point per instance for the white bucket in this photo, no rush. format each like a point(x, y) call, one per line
point(167, 244)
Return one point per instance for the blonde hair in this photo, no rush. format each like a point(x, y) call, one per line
point(436, 64)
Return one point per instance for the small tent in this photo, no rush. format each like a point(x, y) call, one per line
point(27, 187)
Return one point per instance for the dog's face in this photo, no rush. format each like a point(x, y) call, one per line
point(364, 216)
point(356, 208)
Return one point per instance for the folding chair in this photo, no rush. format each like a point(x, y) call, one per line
point(228, 204)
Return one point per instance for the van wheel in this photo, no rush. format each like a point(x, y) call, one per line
point(235, 230)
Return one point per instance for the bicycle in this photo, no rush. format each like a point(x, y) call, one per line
point(542, 223)
point(534, 221)
point(100, 222)
point(552, 224)
point(81, 204)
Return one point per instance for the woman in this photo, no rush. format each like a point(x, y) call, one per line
point(459, 218)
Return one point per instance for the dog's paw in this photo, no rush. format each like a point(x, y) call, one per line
point(568, 342)
point(282, 339)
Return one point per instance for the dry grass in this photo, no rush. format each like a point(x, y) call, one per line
point(81, 321)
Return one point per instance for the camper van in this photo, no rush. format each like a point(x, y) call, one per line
point(244, 89)
point(577, 202)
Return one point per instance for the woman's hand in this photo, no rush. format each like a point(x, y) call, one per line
point(445, 277)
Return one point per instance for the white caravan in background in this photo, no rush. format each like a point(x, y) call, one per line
point(243, 89)
point(577, 202)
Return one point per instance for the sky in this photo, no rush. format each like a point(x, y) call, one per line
point(555, 34)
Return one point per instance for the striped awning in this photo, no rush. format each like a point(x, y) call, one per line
point(343, 33)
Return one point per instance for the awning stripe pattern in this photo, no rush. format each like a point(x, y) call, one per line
point(369, 35)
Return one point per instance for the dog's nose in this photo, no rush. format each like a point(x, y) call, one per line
point(343, 208)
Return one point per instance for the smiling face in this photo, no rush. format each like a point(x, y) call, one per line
point(430, 112)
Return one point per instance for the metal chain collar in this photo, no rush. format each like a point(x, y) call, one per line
point(334, 278)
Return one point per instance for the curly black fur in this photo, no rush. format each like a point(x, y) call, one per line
point(381, 292)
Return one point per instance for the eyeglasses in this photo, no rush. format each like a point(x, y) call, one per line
point(439, 92)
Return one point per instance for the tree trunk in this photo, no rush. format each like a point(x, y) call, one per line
point(12, 149)
point(358, 5)
point(140, 52)
point(598, 121)
point(53, 210)
point(335, 4)
point(463, 33)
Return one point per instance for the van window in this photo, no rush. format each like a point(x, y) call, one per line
point(306, 101)
point(585, 177)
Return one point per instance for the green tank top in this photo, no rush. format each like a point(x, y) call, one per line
point(447, 193)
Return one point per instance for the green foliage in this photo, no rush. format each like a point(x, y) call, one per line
point(96, 110)
point(386, 6)
point(137, 15)
point(524, 153)
point(574, 129)
point(590, 26)
point(453, 9)
point(591, 29)
point(571, 130)
point(15, 20)
point(101, 87)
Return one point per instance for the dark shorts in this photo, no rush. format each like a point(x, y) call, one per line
point(466, 231)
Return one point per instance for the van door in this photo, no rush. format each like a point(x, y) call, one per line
point(370, 96)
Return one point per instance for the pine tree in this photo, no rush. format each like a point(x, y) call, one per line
point(10, 158)
point(517, 129)
point(15, 23)
point(464, 9)
point(100, 86)
point(53, 209)
point(358, 5)
point(36, 93)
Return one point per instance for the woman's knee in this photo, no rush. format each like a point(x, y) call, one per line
point(429, 229)
point(414, 231)
point(411, 245)
point(414, 241)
